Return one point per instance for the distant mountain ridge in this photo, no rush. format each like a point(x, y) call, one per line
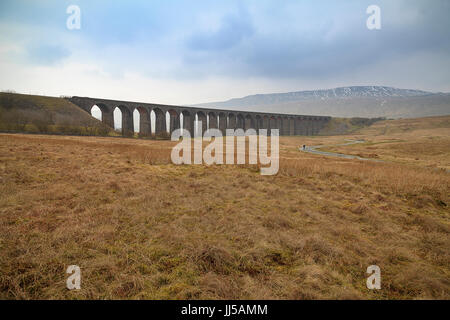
point(342, 92)
point(354, 101)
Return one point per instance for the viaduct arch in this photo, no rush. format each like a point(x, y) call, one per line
point(288, 124)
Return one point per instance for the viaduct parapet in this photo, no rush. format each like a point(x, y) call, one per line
point(288, 124)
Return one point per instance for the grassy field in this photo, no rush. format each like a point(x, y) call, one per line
point(142, 228)
point(421, 142)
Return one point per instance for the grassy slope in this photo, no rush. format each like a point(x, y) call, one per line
point(140, 227)
point(41, 114)
point(406, 125)
point(340, 126)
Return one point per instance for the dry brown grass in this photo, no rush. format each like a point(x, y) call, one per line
point(423, 142)
point(142, 228)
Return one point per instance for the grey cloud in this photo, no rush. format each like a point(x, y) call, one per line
point(233, 29)
point(296, 55)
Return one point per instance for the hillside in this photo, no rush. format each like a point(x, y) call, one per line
point(41, 114)
point(381, 126)
point(358, 101)
point(399, 126)
point(340, 126)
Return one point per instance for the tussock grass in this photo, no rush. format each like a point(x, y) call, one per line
point(142, 228)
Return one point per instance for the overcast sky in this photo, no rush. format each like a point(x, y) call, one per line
point(184, 52)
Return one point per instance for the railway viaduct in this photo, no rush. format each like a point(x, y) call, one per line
point(288, 124)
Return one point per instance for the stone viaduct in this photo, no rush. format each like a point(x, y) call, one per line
point(288, 124)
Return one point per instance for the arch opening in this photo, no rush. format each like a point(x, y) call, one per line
point(117, 119)
point(187, 122)
point(200, 116)
point(103, 113)
point(96, 112)
point(123, 120)
point(160, 122)
point(142, 121)
point(136, 120)
point(222, 122)
point(212, 120)
point(248, 122)
point(172, 121)
point(240, 121)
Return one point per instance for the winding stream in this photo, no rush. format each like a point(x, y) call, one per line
point(314, 149)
